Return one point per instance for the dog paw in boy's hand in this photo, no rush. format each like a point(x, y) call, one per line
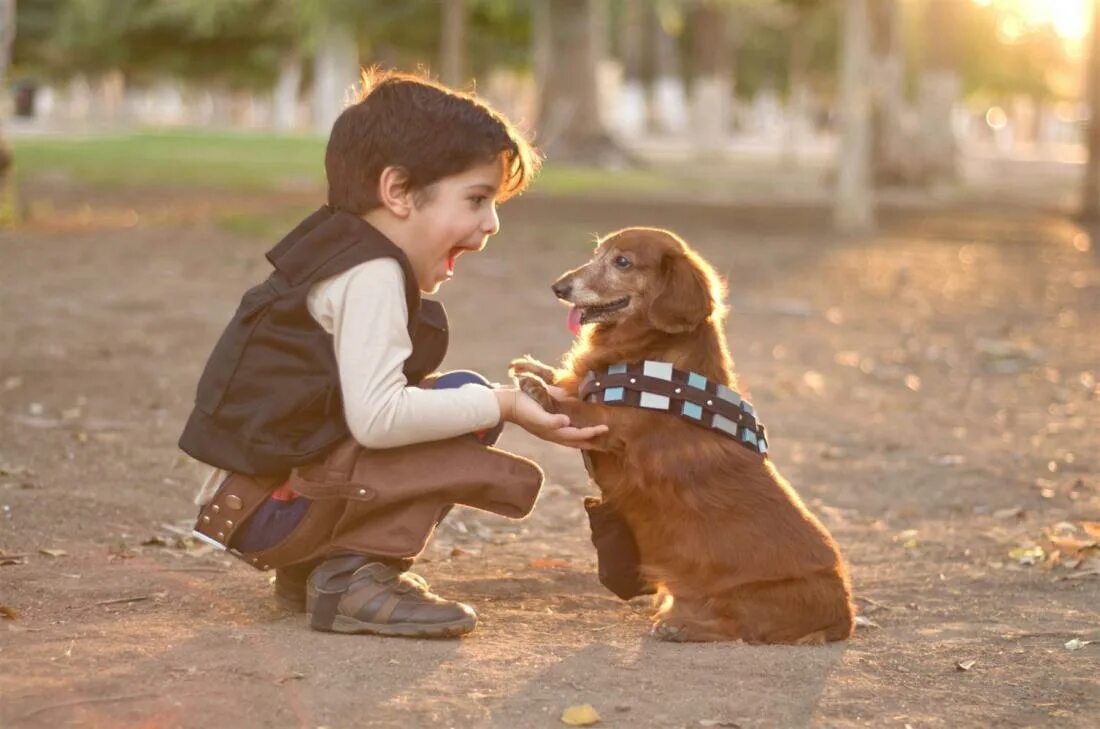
point(528, 365)
point(535, 389)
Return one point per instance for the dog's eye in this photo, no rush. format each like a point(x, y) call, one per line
point(622, 262)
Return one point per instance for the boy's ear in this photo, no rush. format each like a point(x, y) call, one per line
point(393, 191)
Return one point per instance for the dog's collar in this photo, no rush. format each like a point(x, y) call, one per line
point(660, 386)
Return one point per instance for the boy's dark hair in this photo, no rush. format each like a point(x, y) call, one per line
point(423, 127)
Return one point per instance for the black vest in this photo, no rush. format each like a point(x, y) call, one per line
point(269, 398)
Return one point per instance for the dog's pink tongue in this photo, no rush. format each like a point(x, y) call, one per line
point(574, 320)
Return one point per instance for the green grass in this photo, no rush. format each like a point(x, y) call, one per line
point(232, 162)
point(247, 162)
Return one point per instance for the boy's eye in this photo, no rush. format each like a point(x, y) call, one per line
point(621, 262)
point(478, 199)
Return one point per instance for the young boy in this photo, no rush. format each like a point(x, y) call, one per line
point(335, 453)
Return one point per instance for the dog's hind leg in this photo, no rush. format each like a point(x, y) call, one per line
point(687, 621)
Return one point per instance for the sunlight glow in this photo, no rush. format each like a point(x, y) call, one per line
point(1069, 18)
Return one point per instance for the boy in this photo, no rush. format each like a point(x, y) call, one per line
point(335, 453)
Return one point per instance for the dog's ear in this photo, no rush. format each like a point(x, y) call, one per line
point(683, 300)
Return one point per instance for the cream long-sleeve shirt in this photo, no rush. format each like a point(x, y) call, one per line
point(365, 311)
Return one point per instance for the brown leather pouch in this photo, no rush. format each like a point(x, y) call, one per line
point(235, 501)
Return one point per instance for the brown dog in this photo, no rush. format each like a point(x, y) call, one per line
point(732, 549)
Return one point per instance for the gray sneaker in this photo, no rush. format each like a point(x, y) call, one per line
point(351, 594)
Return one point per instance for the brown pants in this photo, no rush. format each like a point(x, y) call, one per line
point(378, 502)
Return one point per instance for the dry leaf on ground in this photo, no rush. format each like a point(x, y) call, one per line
point(8, 612)
point(1092, 528)
point(1077, 644)
point(548, 564)
point(1028, 555)
point(965, 665)
point(580, 715)
point(54, 552)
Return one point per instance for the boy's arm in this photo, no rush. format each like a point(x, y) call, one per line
point(365, 310)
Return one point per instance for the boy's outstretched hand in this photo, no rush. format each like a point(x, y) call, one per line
point(521, 409)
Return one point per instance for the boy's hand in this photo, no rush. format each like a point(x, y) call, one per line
point(520, 409)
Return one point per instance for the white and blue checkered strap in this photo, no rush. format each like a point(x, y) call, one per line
point(660, 386)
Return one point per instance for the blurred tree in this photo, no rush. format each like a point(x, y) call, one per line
point(1090, 194)
point(940, 86)
point(8, 203)
point(570, 127)
point(893, 155)
point(712, 73)
point(452, 42)
point(854, 209)
point(633, 37)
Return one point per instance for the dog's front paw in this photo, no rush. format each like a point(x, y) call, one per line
point(535, 388)
point(669, 631)
point(528, 365)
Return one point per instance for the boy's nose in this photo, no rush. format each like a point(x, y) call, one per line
point(491, 224)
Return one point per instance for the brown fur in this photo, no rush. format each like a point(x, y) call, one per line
point(732, 548)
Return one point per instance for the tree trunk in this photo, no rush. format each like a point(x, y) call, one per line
point(854, 210)
point(335, 73)
point(798, 103)
point(633, 112)
point(940, 89)
point(712, 84)
point(892, 161)
point(9, 205)
point(452, 43)
point(285, 96)
point(569, 114)
point(1090, 194)
point(670, 109)
point(542, 48)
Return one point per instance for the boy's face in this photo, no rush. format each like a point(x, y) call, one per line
point(454, 215)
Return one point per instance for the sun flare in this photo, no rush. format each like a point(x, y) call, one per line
point(1069, 18)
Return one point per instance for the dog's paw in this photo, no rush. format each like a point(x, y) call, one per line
point(535, 388)
point(528, 365)
point(669, 631)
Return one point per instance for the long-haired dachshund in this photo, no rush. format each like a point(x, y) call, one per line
point(731, 548)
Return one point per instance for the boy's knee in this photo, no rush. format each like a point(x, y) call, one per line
point(458, 378)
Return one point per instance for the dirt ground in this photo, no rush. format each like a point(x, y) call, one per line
point(931, 391)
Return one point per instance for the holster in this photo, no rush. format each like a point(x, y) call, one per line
point(378, 502)
point(617, 554)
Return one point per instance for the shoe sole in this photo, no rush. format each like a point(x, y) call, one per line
point(347, 625)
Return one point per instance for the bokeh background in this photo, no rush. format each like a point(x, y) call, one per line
point(901, 194)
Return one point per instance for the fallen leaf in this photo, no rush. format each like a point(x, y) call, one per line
point(1010, 513)
point(965, 665)
point(865, 622)
point(580, 715)
point(8, 613)
point(1071, 544)
point(1027, 555)
point(9, 559)
point(155, 542)
point(718, 722)
point(54, 552)
point(548, 564)
point(1092, 528)
point(1077, 644)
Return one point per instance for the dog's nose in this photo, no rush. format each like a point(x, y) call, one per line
point(562, 289)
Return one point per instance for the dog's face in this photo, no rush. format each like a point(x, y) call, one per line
point(642, 275)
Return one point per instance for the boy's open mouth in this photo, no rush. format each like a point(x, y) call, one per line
point(451, 258)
